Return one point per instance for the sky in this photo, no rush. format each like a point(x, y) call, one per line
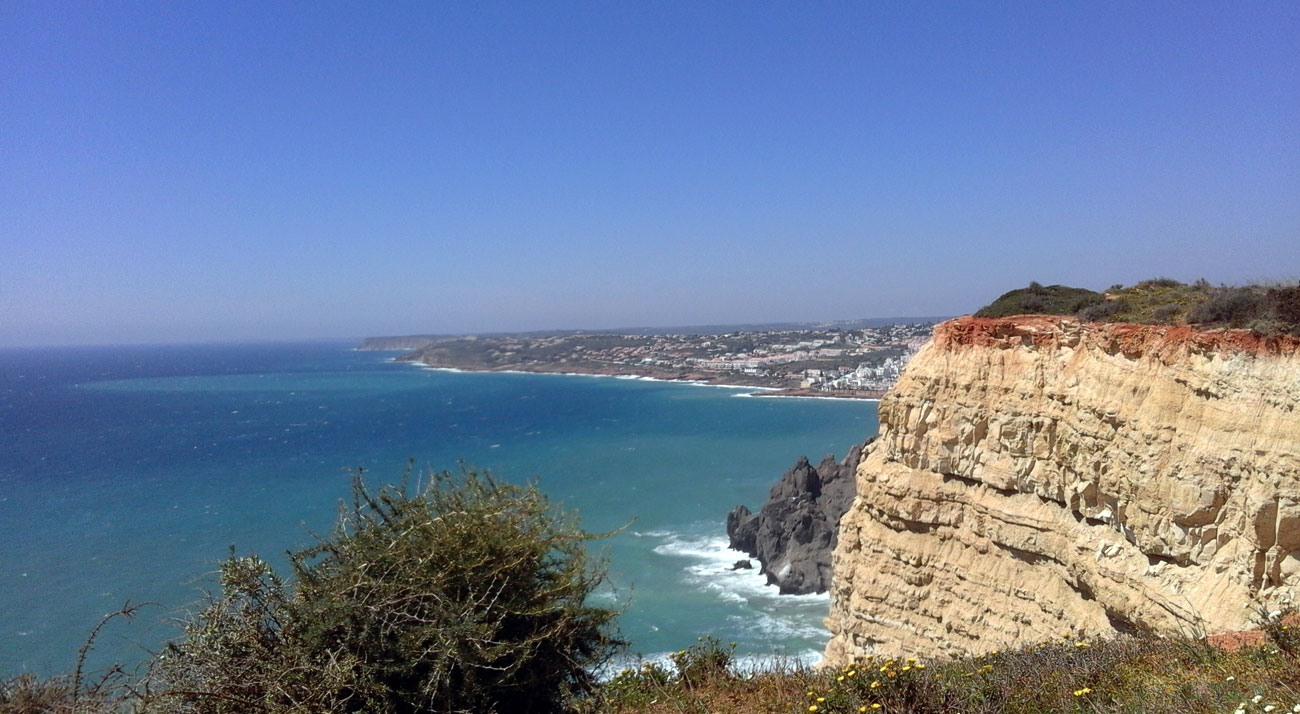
point(204, 171)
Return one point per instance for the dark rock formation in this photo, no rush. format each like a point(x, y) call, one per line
point(794, 533)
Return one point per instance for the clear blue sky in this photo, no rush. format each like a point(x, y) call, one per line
point(190, 171)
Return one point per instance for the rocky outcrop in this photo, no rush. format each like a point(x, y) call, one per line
point(793, 534)
point(1038, 476)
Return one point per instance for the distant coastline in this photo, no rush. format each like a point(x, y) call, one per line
point(821, 362)
point(758, 385)
point(697, 379)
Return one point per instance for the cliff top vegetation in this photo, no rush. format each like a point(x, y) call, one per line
point(1263, 309)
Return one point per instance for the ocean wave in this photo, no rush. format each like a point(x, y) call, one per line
point(766, 626)
point(743, 665)
point(810, 396)
point(652, 534)
point(714, 570)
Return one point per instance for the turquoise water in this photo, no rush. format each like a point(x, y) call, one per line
point(129, 473)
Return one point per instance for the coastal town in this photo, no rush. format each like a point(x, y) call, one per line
point(822, 361)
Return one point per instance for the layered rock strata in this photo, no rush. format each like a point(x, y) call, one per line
point(1036, 476)
point(793, 534)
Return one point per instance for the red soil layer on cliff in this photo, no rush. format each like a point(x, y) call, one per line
point(1050, 331)
point(1233, 641)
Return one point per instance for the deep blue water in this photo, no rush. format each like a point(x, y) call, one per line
point(130, 472)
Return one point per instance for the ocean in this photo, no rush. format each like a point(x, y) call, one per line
point(129, 473)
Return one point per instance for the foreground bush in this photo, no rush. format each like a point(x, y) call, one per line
point(467, 597)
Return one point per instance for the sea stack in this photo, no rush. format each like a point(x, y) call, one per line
point(792, 536)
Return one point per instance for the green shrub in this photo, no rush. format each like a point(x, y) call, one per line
point(1285, 305)
point(467, 597)
point(29, 694)
point(1233, 306)
point(1161, 283)
point(1282, 627)
point(633, 688)
point(105, 692)
point(1039, 300)
point(705, 661)
point(1102, 311)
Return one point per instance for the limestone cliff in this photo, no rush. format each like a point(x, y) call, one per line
point(1036, 476)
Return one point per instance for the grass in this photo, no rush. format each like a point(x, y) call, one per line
point(1128, 674)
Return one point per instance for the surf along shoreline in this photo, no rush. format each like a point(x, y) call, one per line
point(703, 379)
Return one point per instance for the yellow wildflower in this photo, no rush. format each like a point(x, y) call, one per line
point(1081, 692)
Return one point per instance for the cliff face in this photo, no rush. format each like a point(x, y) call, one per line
point(792, 536)
point(1036, 476)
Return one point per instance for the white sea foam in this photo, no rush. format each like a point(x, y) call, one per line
point(777, 661)
point(743, 665)
point(719, 386)
point(756, 391)
point(766, 626)
point(631, 377)
point(808, 396)
point(714, 571)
